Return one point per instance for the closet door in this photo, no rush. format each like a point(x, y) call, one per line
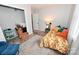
point(2, 38)
point(35, 22)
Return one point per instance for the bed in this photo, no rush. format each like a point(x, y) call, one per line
point(55, 41)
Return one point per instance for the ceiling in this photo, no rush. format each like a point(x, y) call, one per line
point(38, 6)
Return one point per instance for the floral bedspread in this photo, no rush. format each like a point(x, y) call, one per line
point(51, 40)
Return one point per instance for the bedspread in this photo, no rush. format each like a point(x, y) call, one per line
point(51, 40)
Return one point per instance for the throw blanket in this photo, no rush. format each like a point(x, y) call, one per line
point(51, 40)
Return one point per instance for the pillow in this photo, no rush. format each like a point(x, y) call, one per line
point(60, 29)
point(63, 34)
point(58, 26)
point(56, 29)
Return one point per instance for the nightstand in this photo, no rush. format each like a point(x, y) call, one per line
point(47, 30)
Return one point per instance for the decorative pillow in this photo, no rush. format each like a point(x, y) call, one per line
point(60, 29)
point(63, 34)
point(58, 26)
point(55, 29)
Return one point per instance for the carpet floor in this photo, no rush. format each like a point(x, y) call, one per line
point(31, 47)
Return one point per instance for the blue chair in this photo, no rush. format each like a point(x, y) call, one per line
point(8, 49)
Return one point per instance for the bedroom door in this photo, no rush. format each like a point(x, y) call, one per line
point(35, 22)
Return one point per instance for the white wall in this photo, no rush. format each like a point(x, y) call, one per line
point(74, 27)
point(2, 38)
point(10, 17)
point(62, 15)
point(27, 10)
point(28, 18)
point(73, 35)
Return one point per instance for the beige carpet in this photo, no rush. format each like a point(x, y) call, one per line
point(31, 47)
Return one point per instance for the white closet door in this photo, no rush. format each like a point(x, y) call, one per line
point(2, 38)
point(35, 22)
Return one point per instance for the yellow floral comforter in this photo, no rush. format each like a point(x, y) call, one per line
point(51, 40)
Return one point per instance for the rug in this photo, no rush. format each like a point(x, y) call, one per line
point(31, 47)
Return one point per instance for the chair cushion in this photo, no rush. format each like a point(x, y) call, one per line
point(11, 49)
point(2, 48)
point(2, 43)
